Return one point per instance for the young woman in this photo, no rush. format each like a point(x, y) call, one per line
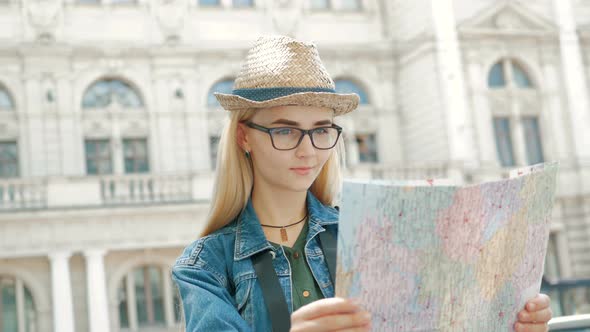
point(277, 178)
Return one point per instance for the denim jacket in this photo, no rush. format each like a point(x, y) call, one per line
point(217, 281)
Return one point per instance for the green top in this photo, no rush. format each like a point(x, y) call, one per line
point(304, 287)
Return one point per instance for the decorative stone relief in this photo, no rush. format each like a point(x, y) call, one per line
point(507, 20)
point(43, 16)
point(285, 16)
point(171, 15)
point(49, 91)
point(176, 93)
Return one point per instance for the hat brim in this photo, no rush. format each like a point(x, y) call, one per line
point(341, 103)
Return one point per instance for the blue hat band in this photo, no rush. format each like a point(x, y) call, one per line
point(264, 94)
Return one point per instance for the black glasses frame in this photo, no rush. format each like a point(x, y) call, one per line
point(303, 132)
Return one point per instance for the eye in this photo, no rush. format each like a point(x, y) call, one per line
point(283, 131)
point(321, 131)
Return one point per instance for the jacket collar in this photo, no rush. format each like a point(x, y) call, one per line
point(250, 238)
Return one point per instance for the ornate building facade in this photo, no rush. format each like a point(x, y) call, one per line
point(108, 128)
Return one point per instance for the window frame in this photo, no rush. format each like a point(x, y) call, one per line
point(137, 157)
point(15, 161)
point(108, 142)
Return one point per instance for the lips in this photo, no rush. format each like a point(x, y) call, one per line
point(302, 170)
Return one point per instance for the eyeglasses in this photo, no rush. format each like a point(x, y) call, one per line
point(288, 138)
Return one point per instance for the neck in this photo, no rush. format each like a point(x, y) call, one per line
point(278, 207)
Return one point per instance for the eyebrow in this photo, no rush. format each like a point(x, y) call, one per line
point(294, 123)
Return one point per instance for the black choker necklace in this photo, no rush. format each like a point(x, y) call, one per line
point(284, 236)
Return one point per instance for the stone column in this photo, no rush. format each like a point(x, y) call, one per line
point(131, 304)
point(574, 80)
point(554, 117)
point(61, 290)
point(98, 310)
point(20, 305)
point(168, 296)
point(452, 83)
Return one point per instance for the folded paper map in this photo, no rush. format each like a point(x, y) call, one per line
point(424, 257)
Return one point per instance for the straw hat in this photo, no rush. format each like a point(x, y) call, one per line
point(279, 71)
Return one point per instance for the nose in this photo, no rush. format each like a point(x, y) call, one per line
point(305, 148)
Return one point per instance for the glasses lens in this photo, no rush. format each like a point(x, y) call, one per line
point(285, 138)
point(324, 138)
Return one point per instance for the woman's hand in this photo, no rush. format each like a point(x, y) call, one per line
point(535, 315)
point(331, 314)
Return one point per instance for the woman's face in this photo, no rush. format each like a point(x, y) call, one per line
point(292, 170)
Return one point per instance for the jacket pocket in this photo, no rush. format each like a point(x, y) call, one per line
point(243, 297)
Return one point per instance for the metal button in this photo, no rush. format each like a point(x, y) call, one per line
point(306, 294)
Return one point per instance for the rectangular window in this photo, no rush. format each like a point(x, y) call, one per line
point(122, 300)
point(532, 140)
point(8, 159)
point(552, 258)
point(213, 145)
point(8, 310)
point(209, 3)
point(352, 5)
point(320, 4)
point(148, 296)
point(98, 156)
point(135, 152)
point(367, 148)
point(243, 3)
point(504, 141)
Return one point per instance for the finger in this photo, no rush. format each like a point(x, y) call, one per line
point(541, 301)
point(541, 316)
point(343, 321)
point(530, 327)
point(329, 306)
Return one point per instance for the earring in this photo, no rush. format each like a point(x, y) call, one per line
point(247, 153)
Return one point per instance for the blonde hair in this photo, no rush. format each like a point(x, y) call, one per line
point(234, 177)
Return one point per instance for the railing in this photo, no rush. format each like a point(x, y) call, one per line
point(569, 295)
point(87, 191)
point(23, 194)
point(575, 323)
point(54, 191)
point(131, 189)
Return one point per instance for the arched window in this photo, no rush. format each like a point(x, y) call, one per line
point(507, 68)
point(348, 86)
point(224, 86)
point(105, 92)
point(17, 308)
point(6, 102)
point(520, 77)
point(142, 298)
point(496, 77)
point(514, 125)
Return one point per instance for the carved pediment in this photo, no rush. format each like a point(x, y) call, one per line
point(509, 18)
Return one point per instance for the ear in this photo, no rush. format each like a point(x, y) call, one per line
point(242, 137)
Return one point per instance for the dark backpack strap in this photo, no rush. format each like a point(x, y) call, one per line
point(328, 243)
point(274, 298)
